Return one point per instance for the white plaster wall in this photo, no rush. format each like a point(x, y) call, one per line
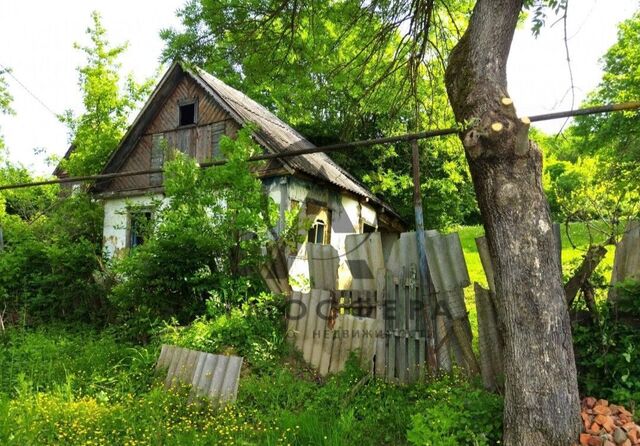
point(116, 221)
point(346, 213)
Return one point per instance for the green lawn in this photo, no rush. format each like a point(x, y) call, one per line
point(577, 235)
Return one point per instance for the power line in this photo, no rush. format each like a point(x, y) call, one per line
point(625, 106)
point(32, 94)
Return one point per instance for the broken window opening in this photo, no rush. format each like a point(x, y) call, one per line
point(187, 113)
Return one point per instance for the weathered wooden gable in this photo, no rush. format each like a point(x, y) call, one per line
point(200, 140)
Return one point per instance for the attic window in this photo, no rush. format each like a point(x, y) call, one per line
point(187, 113)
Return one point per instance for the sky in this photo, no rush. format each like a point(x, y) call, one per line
point(44, 61)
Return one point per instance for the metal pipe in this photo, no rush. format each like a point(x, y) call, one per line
point(425, 276)
point(625, 106)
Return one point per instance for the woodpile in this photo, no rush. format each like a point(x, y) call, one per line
point(607, 425)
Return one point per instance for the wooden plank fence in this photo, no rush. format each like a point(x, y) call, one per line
point(405, 328)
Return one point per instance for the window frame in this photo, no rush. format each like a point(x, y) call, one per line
point(131, 218)
point(186, 102)
point(320, 213)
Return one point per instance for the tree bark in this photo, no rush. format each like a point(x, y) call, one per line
point(541, 393)
point(590, 262)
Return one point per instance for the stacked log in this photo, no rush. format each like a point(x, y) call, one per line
point(607, 424)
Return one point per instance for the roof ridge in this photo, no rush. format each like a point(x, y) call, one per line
point(280, 135)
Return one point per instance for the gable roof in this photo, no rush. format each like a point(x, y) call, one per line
point(271, 133)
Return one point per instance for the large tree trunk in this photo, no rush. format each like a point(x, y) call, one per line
point(541, 394)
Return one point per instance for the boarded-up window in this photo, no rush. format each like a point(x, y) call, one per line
point(217, 132)
point(157, 159)
point(320, 217)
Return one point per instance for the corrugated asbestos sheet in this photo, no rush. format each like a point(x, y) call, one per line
point(444, 254)
point(326, 339)
point(212, 376)
point(323, 266)
point(490, 342)
point(626, 264)
point(365, 259)
point(396, 338)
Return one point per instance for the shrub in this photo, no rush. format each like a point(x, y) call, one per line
point(47, 270)
point(607, 354)
point(204, 240)
point(255, 330)
point(457, 413)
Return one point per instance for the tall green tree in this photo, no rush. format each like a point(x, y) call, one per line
point(506, 169)
point(616, 136)
point(108, 101)
point(322, 78)
point(592, 172)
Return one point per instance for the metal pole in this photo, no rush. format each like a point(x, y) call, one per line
point(1, 240)
point(337, 147)
point(425, 277)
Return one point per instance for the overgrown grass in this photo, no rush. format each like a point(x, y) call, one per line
point(88, 362)
point(70, 404)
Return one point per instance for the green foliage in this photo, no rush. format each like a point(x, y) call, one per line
point(79, 359)
point(5, 96)
point(338, 72)
point(205, 240)
point(463, 415)
point(107, 104)
point(584, 190)
point(53, 247)
point(5, 104)
point(604, 148)
point(607, 355)
point(254, 330)
point(103, 392)
point(615, 135)
point(540, 10)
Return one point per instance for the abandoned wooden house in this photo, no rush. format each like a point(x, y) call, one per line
point(191, 110)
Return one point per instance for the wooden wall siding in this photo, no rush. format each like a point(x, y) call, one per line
point(140, 159)
point(157, 159)
point(208, 110)
point(200, 141)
